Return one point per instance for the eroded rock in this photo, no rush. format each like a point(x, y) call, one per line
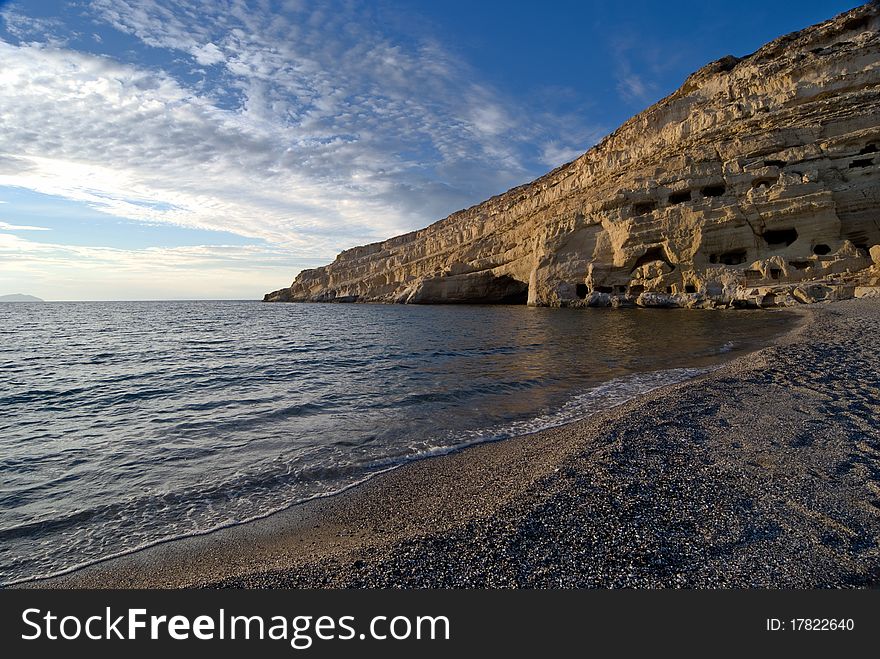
point(757, 173)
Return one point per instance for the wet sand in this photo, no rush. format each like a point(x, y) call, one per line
point(764, 473)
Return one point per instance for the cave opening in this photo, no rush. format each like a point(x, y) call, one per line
point(857, 23)
point(516, 298)
point(868, 148)
point(638, 289)
point(821, 249)
point(581, 290)
point(800, 265)
point(515, 291)
point(714, 190)
point(732, 257)
point(727, 63)
point(653, 254)
point(496, 290)
point(861, 162)
point(774, 163)
point(775, 273)
point(859, 239)
point(779, 238)
point(690, 288)
point(645, 207)
point(603, 289)
point(763, 183)
point(680, 197)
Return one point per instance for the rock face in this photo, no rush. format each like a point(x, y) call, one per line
point(757, 177)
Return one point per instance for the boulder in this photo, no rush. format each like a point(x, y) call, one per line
point(866, 291)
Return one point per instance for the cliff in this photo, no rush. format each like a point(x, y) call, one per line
point(756, 183)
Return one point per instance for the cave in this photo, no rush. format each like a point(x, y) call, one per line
point(645, 207)
point(513, 291)
point(603, 289)
point(690, 288)
point(638, 289)
point(859, 239)
point(775, 273)
point(653, 254)
point(868, 148)
point(581, 290)
point(733, 257)
point(516, 298)
point(774, 163)
point(857, 23)
point(680, 197)
point(779, 238)
point(488, 290)
point(800, 265)
point(821, 249)
point(727, 63)
point(861, 162)
point(763, 183)
point(714, 190)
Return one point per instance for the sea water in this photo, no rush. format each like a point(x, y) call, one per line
point(126, 424)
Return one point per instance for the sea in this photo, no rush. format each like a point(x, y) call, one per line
point(126, 424)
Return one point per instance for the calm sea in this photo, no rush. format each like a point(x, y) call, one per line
point(123, 424)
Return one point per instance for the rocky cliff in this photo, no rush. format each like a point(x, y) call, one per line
point(757, 183)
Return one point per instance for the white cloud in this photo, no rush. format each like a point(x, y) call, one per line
point(5, 226)
point(208, 54)
point(554, 154)
point(633, 88)
point(26, 27)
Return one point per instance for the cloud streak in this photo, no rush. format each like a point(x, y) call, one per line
point(5, 226)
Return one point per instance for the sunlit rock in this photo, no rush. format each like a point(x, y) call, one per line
point(757, 173)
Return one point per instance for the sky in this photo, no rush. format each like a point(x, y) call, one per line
point(211, 149)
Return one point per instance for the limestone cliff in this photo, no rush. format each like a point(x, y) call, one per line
point(756, 183)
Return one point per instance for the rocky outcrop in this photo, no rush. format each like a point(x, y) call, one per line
point(752, 185)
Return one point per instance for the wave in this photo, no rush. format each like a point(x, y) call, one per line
point(337, 478)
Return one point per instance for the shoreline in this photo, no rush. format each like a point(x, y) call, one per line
point(477, 516)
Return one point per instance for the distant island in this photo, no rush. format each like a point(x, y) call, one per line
point(19, 297)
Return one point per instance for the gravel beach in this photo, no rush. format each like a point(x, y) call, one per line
point(762, 474)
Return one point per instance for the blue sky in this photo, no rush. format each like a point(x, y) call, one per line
point(158, 149)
